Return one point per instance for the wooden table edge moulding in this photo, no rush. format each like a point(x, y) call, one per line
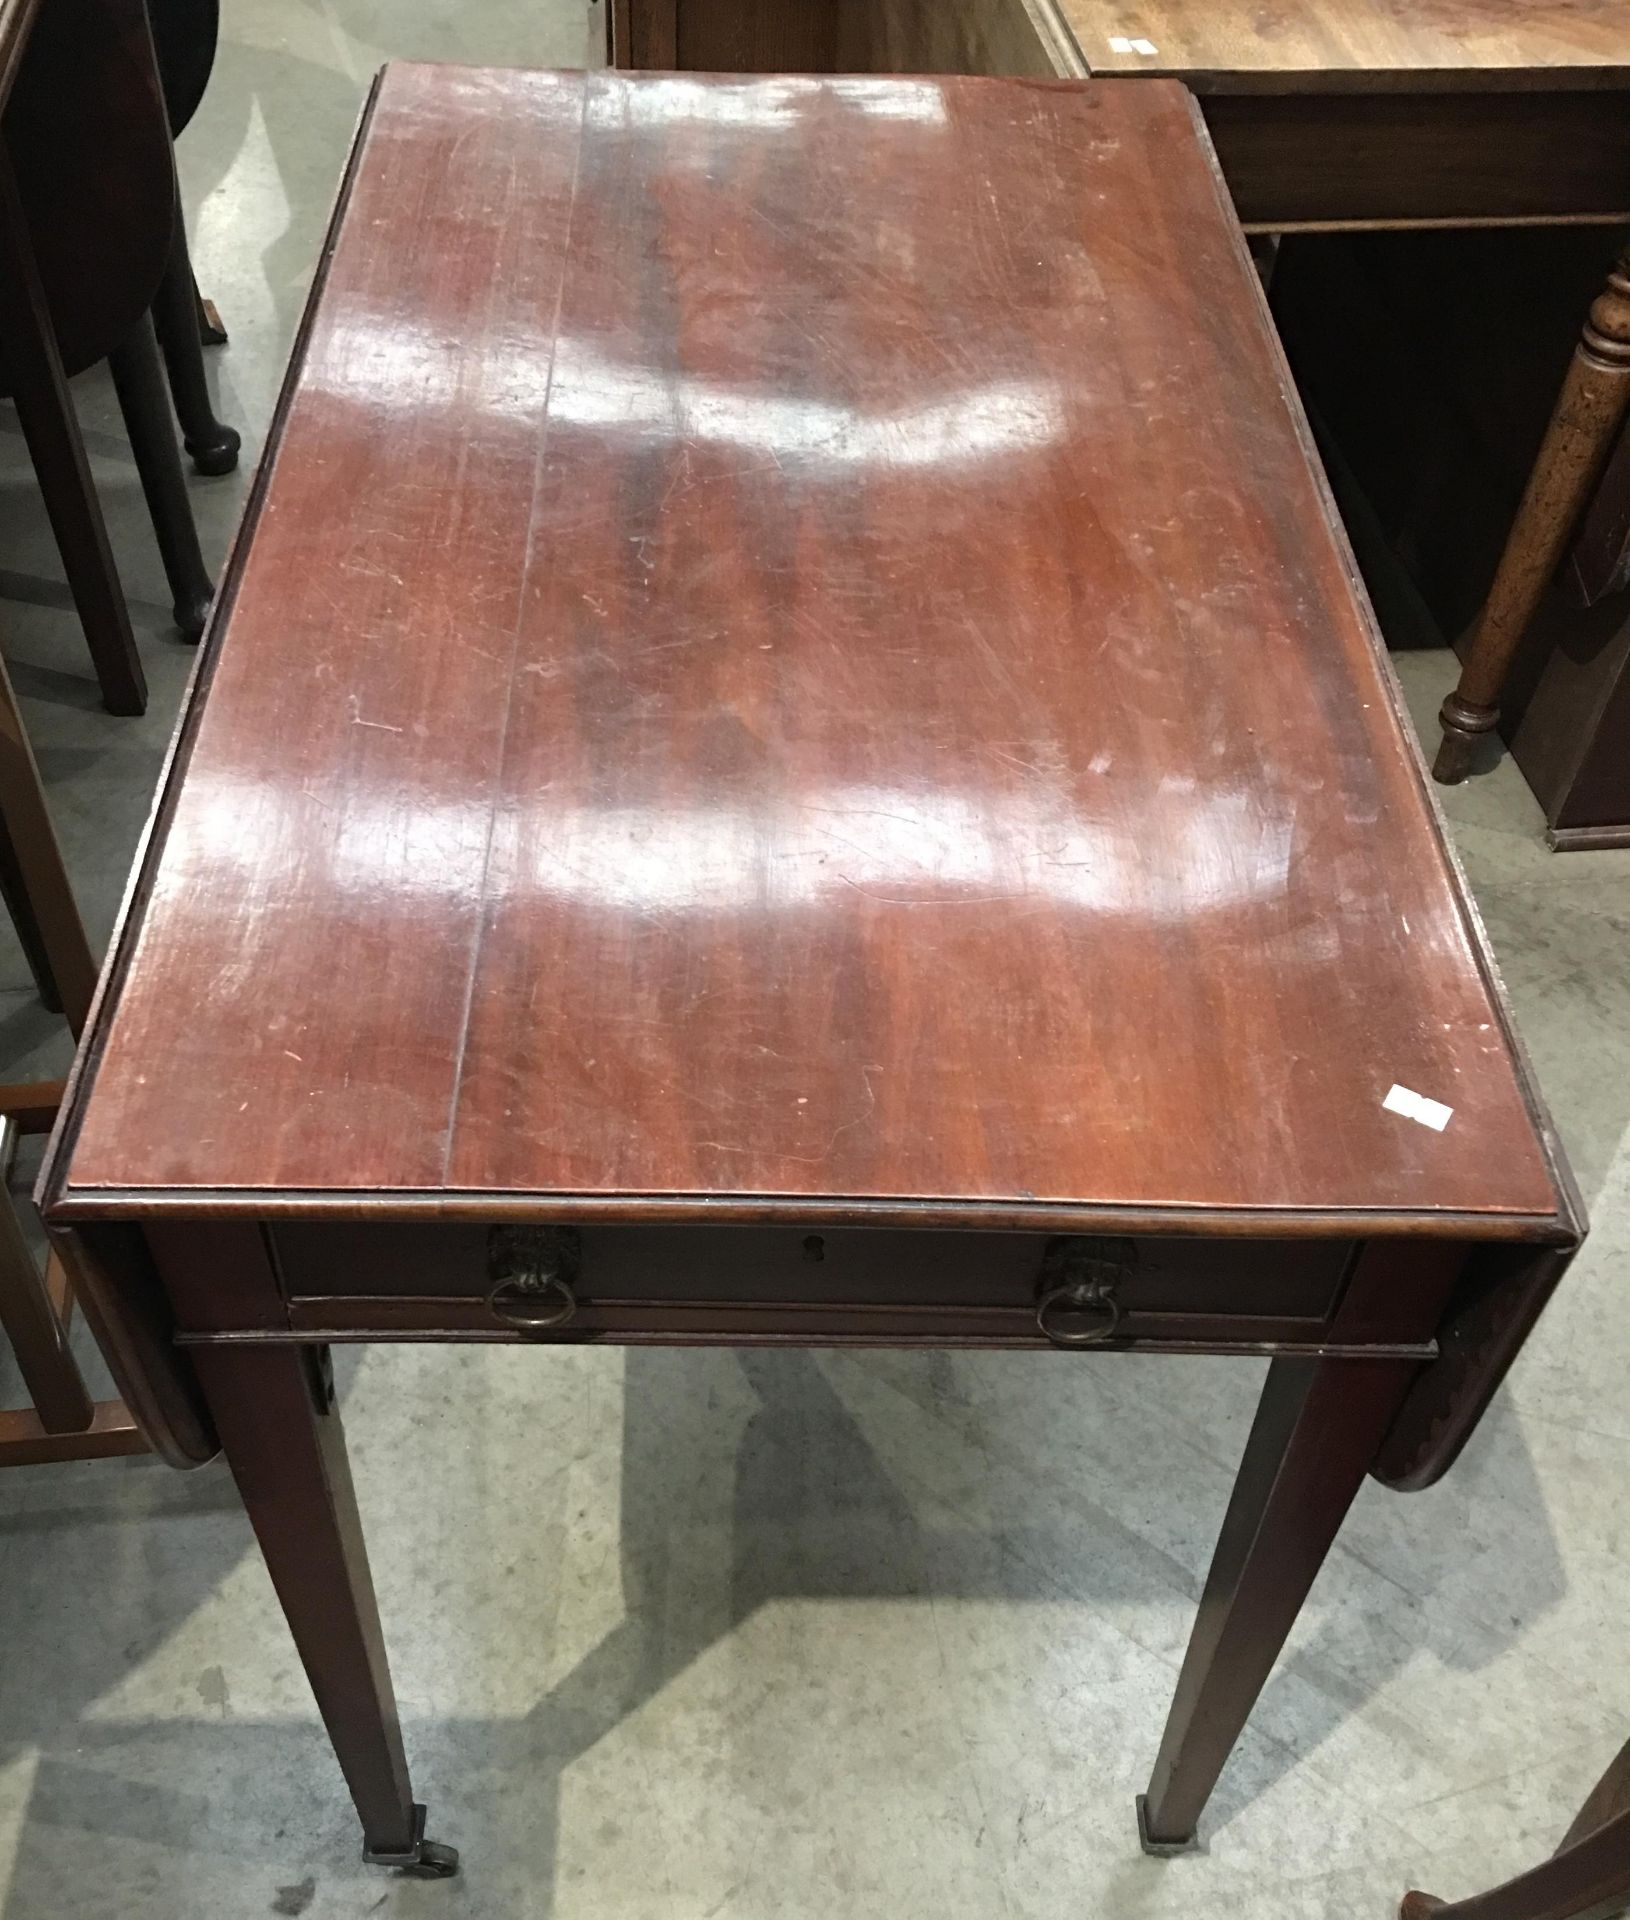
point(1391, 1274)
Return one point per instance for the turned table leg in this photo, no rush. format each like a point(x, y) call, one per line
point(1316, 1431)
point(34, 879)
point(1593, 403)
point(279, 1426)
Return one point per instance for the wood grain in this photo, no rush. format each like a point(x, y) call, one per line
point(1214, 46)
point(25, 1441)
point(1239, 44)
point(1332, 158)
point(1590, 411)
point(369, 763)
point(1328, 113)
point(843, 36)
point(757, 36)
point(923, 36)
point(793, 649)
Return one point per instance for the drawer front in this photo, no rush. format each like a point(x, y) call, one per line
point(670, 1280)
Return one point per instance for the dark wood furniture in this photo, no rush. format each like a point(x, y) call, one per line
point(184, 37)
point(1589, 1874)
point(62, 1420)
point(791, 754)
point(39, 386)
point(88, 226)
point(1566, 703)
point(33, 361)
point(1324, 112)
point(1590, 413)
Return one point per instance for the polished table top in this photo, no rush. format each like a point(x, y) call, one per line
point(1370, 44)
point(793, 645)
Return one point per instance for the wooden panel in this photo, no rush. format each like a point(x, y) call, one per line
point(1498, 1296)
point(757, 36)
point(217, 1273)
point(1571, 733)
point(928, 735)
point(797, 1323)
point(845, 36)
point(1323, 44)
point(121, 1296)
point(786, 1265)
point(652, 36)
point(974, 36)
point(1379, 159)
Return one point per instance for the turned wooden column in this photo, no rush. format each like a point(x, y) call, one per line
point(1588, 414)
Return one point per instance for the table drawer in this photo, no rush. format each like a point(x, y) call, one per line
point(673, 1279)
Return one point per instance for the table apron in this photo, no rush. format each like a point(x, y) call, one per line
point(1316, 160)
point(279, 1284)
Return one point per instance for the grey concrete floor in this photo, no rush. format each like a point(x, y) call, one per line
point(689, 1635)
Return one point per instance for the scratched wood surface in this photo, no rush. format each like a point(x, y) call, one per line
point(793, 647)
point(1529, 44)
point(1320, 46)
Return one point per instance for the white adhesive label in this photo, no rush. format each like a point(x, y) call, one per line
point(1416, 1106)
point(1119, 43)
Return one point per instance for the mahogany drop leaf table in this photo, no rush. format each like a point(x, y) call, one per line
point(791, 753)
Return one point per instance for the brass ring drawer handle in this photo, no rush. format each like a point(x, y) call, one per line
point(535, 1303)
point(1078, 1296)
point(532, 1270)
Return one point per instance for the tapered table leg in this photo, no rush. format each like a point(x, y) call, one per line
point(1594, 399)
point(34, 878)
point(27, 927)
point(138, 380)
point(1316, 1431)
point(46, 413)
point(211, 445)
point(38, 1336)
point(275, 1413)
